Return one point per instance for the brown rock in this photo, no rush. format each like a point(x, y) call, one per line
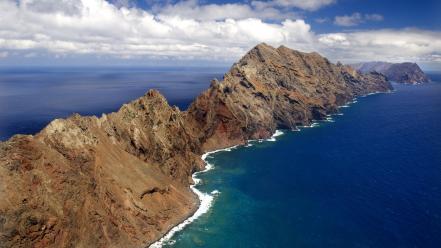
point(122, 180)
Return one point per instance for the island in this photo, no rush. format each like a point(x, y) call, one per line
point(405, 72)
point(123, 179)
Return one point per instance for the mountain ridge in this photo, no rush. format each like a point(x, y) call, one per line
point(123, 179)
point(405, 72)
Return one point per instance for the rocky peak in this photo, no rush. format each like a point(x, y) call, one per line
point(273, 88)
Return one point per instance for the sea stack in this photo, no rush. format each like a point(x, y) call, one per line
point(122, 179)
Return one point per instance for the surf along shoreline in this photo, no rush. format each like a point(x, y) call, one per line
point(206, 199)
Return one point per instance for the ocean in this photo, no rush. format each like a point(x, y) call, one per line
point(31, 97)
point(369, 178)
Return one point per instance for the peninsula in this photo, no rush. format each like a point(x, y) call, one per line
point(122, 179)
point(398, 72)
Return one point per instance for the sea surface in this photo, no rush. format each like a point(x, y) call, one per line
point(31, 97)
point(370, 178)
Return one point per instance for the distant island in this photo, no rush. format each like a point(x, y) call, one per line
point(398, 72)
point(122, 179)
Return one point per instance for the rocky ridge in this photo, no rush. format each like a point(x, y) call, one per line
point(122, 180)
point(398, 72)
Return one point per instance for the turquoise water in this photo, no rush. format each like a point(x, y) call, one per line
point(372, 178)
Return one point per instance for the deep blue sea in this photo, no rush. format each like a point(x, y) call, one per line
point(371, 178)
point(31, 97)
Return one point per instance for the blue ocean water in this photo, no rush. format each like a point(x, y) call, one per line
point(372, 178)
point(32, 97)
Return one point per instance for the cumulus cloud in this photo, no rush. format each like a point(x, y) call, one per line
point(385, 44)
point(208, 32)
point(355, 19)
point(215, 12)
point(99, 27)
point(310, 5)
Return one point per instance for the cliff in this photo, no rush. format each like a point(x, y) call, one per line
point(398, 72)
point(116, 181)
point(122, 180)
point(275, 88)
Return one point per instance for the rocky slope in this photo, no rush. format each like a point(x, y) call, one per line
point(398, 72)
point(122, 180)
point(116, 181)
point(275, 88)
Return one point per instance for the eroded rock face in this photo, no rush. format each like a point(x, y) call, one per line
point(116, 181)
point(122, 180)
point(275, 88)
point(398, 72)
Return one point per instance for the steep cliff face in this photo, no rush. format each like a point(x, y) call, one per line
point(116, 181)
point(122, 180)
point(273, 88)
point(398, 72)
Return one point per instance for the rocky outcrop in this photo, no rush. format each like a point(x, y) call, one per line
point(274, 88)
point(122, 180)
point(398, 72)
point(116, 181)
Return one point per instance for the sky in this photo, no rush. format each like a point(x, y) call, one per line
point(216, 32)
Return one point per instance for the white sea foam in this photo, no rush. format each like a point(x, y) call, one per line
point(329, 119)
point(276, 134)
point(205, 200)
point(314, 124)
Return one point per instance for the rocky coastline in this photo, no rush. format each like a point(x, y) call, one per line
point(406, 72)
point(123, 179)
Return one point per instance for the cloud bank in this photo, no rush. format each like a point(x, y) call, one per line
point(192, 31)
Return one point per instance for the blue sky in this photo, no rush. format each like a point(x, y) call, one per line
point(192, 32)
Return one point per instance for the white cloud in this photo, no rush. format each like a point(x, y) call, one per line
point(98, 27)
point(355, 19)
point(211, 12)
point(385, 44)
point(32, 28)
point(346, 20)
point(374, 17)
point(310, 5)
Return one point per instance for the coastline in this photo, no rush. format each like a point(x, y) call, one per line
point(147, 132)
point(206, 199)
